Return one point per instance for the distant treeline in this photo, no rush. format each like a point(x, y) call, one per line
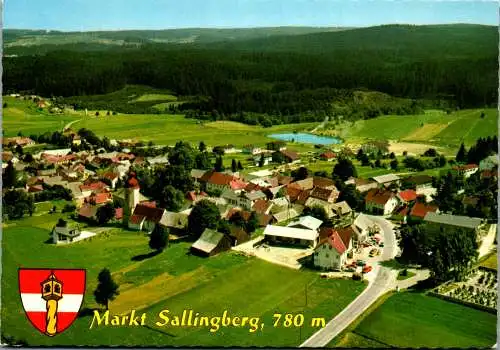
point(231, 80)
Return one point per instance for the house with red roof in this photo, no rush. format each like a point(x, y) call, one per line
point(407, 196)
point(99, 198)
point(420, 210)
point(327, 156)
point(110, 177)
point(331, 253)
point(195, 196)
point(380, 201)
point(465, 170)
point(324, 194)
point(145, 218)
point(93, 186)
point(220, 181)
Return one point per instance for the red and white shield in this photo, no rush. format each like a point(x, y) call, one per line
point(51, 297)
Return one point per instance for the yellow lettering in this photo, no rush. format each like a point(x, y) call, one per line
point(236, 319)
point(124, 320)
point(97, 317)
point(254, 324)
point(175, 321)
point(115, 321)
point(164, 317)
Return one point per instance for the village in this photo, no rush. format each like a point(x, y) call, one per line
point(280, 213)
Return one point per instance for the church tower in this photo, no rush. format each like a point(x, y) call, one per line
point(131, 196)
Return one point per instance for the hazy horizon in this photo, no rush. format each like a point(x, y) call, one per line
point(118, 15)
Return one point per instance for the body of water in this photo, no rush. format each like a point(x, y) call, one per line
point(306, 138)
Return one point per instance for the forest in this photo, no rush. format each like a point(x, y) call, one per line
point(289, 78)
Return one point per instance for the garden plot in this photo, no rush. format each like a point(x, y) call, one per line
point(480, 288)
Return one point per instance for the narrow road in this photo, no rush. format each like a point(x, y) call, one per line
point(67, 126)
point(383, 282)
point(320, 126)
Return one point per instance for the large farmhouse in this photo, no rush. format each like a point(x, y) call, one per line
point(381, 202)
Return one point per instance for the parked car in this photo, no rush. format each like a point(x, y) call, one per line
point(381, 244)
point(378, 251)
point(350, 269)
point(367, 269)
point(361, 262)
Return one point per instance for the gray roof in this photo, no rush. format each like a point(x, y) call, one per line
point(286, 214)
point(255, 195)
point(453, 220)
point(343, 206)
point(386, 178)
point(208, 240)
point(66, 231)
point(175, 220)
point(363, 222)
point(308, 222)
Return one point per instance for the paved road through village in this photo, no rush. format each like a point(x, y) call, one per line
point(384, 281)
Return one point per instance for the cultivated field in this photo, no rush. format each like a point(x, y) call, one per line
point(414, 320)
point(412, 133)
point(433, 127)
point(172, 280)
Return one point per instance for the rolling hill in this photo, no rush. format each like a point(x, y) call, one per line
point(25, 41)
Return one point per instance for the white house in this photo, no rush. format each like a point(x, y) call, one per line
point(243, 199)
point(331, 254)
point(381, 202)
point(466, 170)
point(364, 225)
point(145, 218)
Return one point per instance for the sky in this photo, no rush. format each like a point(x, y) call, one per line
point(83, 15)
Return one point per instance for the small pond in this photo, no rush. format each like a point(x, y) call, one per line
point(306, 138)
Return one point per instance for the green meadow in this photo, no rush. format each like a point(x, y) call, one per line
point(173, 280)
point(433, 127)
point(415, 320)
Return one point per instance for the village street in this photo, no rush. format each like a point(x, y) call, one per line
point(384, 281)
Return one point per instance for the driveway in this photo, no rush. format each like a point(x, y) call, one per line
point(385, 280)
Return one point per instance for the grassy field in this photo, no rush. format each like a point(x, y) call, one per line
point(161, 129)
point(433, 127)
point(25, 117)
point(172, 280)
point(491, 261)
point(414, 320)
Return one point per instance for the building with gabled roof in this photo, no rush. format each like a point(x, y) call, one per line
point(407, 196)
point(387, 179)
point(362, 185)
point(211, 243)
point(331, 253)
point(465, 170)
point(145, 217)
point(327, 156)
point(327, 195)
point(307, 222)
point(420, 210)
point(381, 202)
